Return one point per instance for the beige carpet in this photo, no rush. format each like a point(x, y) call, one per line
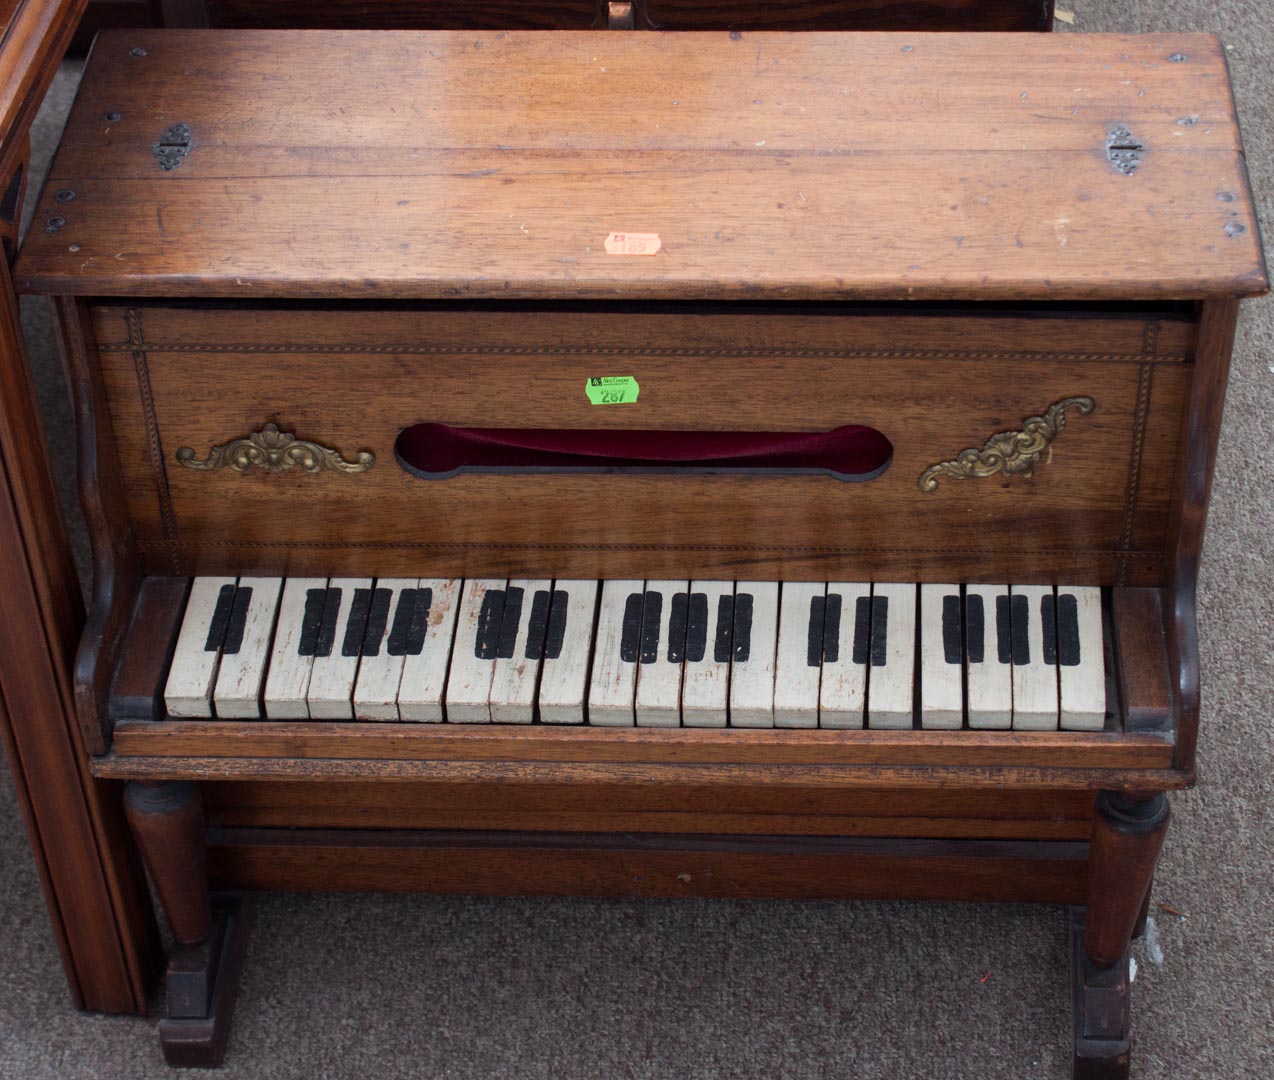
point(379, 987)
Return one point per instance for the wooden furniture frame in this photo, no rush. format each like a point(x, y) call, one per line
point(688, 812)
point(93, 884)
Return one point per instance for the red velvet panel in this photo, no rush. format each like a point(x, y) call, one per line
point(436, 451)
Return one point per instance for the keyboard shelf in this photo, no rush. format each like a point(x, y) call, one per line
point(313, 750)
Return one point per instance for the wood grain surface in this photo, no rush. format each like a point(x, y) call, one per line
point(496, 164)
point(608, 865)
point(934, 383)
point(318, 744)
point(99, 908)
point(102, 496)
point(1217, 323)
point(1141, 649)
point(816, 811)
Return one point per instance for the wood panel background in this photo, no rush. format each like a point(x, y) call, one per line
point(1096, 510)
point(769, 164)
point(815, 811)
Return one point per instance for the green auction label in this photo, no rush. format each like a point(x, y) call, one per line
point(612, 390)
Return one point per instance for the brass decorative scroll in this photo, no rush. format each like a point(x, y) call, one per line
point(1014, 453)
point(275, 451)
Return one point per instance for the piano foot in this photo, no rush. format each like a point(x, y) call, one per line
point(1101, 1003)
point(1128, 831)
point(209, 931)
point(201, 984)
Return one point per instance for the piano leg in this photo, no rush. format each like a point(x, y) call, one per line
point(1128, 831)
point(210, 932)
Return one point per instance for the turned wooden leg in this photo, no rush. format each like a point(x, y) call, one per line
point(1128, 831)
point(210, 933)
point(1127, 835)
point(168, 823)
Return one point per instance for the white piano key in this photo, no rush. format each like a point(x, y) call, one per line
point(941, 657)
point(1034, 673)
point(245, 649)
point(564, 670)
point(753, 652)
point(842, 696)
point(1081, 668)
point(705, 683)
point(427, 658)
point(663, 648)
point(517, 664)
point(473, 657)
point(292, 654)
point(800, 654)
point(612, 691)
point(380, 668)
point(188, 691)
point(891, 678)
point(988, 651)
point(331, 692)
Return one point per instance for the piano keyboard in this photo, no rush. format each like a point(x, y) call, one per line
point(717, 654)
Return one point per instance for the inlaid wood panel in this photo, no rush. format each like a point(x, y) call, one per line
point(935, 384)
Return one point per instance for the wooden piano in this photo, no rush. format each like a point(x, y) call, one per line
point(731, 464)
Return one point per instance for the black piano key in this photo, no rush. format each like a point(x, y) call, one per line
point(419, 625)
point(652, 609)
point(486, 642)
point(396, 645)
point(354, 629)
point(696, 627)
point(862, 630)
point(1003, 630)
point(725, 626)
point(1020, 617)
point(831, 628)
point(537, 624)
point(630, 640)
point(510, 620)
point(556, 632)
point(377, 620)
point(741, 645)
point(238, 620)
point(814, 636)
point(879, 630)
point(678, 619)
point(220, 618)
point(1067, 630)
point(952, 652)
point(310, 621)
point(1048, 614)
point(326, 639)
point(974, 628)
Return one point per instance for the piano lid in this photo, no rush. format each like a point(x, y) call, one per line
point(759, 165)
